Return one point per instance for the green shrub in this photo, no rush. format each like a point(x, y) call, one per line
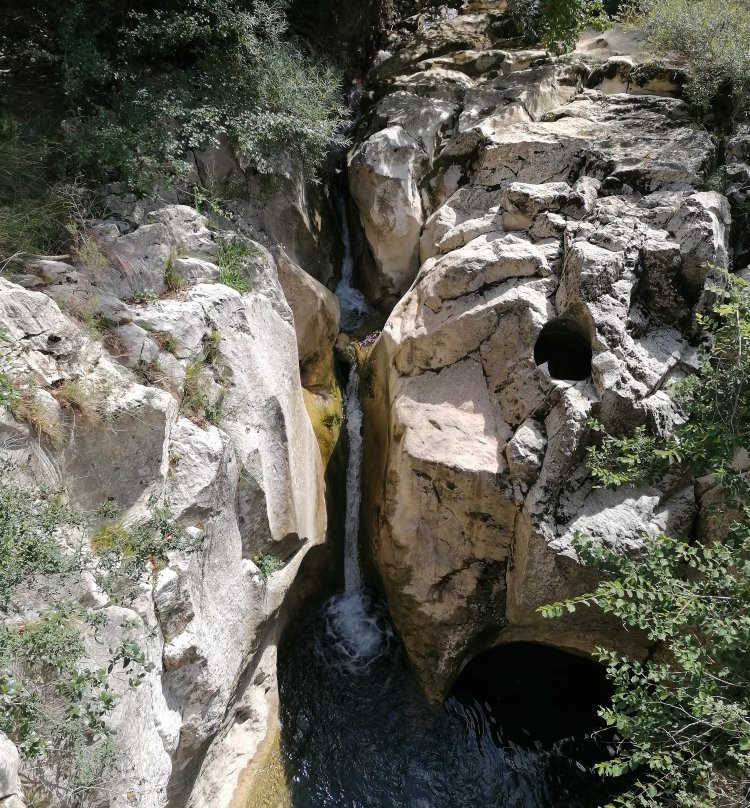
point(29, 530)
point(267, 564)
point(54, 703)
point(556, 23)
point(152, 83)
point(195, 403)
point(716, 403)
point(713, 38)
point(172, 278)
point(684, 712)
point(143, 296)
point(36, 205)
point(125, 552)
point(231, 263)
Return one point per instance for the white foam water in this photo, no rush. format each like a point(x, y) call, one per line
point(358, 632)
point(354, 306)
point(352, 574)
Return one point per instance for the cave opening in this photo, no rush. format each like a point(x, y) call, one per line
point(565, 348)
point(535, 694)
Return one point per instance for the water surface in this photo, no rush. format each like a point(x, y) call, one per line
point(357, 732)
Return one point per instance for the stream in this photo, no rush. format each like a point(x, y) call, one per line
point(356, 731)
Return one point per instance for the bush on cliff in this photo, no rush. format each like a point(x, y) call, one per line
point(713, 38)
point(144, 83)
point(684, 711)
point(64, 664)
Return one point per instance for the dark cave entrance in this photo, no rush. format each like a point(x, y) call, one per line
point(566, 349)
point(536, 694)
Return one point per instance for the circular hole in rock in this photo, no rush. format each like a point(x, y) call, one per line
point(566, 350)
point(535, 694)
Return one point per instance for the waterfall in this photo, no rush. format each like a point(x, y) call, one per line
point(352, 575)
point(357, 632)
point(354, 307)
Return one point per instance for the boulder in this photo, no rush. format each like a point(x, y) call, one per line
point(383, 175)
point(10, 784)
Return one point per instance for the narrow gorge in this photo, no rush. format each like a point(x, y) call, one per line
point(294, 467)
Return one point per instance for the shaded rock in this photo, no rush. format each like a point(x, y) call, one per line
point(10, 785)
point(316, 322)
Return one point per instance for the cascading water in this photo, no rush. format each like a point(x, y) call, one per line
point(356, 731)
point(357, 631)
point(354, 306)
point(352, 575)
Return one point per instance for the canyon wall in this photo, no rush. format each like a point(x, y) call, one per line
point(187, 393)
point(542, 226)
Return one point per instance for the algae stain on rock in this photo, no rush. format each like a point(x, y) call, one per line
point(263, 783)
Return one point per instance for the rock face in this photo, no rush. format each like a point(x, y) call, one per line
point(10, 784)
point(452, 126)
point(550, 244)
point(192, 397)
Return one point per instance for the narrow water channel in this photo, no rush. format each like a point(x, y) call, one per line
point(356, 731)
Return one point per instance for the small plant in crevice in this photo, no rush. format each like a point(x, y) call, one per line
point(26, 406)
point(143, 296)
point(231, 263)
point(166, 340)
point(267, 564)
point(7, 393)
point(151, 373)
point(85, 248)
point(116, 345)
point(96, 325)
point(204, 383)
point(77, 397)
point(717, 181)
point(196, 403)
point(124, 552)
point(173, 281)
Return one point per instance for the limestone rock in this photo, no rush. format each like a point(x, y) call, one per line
point(525, 451)
point(10, 785)
point(316, 322)
point(447, 127)
point(251, 482)
point(562, 234)
point(384, 172)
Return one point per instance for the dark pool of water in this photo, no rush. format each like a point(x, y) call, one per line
point(357, 732)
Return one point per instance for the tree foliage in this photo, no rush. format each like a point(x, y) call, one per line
point(556, 23)
point(684, 712)
point(145, 83)
point(713, 38)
